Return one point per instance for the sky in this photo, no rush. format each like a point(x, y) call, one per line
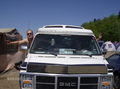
point(33, 14)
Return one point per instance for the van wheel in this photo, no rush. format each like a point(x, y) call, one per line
point(116, 82)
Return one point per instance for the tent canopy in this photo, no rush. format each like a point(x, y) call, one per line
point(7, 30)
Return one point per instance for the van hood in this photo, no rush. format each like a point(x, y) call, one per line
point(66, 59)
point(66, 64)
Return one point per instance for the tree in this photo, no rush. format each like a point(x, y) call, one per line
point(119, 14)
point(108, 26)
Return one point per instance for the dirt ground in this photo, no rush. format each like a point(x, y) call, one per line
point(10, 79)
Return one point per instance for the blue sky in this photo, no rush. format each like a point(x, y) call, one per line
point(25, 14)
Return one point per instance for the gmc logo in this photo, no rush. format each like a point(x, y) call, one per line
point(67, 84)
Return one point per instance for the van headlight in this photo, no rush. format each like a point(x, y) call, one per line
point(26, 81)
point(106, 82)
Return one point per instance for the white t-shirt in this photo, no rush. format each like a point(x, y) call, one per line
point(108, 46)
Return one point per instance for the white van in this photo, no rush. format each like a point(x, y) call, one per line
point(65, 57)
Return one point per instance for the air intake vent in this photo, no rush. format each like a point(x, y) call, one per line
point(64, 26)
point(77, 27)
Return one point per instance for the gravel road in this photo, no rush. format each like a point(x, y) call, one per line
point(10, 80)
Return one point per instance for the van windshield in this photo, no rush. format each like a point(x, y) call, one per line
point(65, 45)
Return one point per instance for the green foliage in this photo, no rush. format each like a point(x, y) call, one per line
point(108, 26)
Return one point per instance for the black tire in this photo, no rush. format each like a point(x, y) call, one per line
point(116, 82)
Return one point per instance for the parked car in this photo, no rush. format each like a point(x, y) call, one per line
point(114, 62)
point(65, 57)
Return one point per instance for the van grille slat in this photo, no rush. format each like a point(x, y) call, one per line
point(60, 82)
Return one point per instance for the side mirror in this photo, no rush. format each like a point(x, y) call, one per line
point(23, 48)
point(17, 65)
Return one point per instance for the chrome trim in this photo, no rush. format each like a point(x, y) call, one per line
point(110, 70)
point(78, 83)
point(56, 82)
point(50, 74)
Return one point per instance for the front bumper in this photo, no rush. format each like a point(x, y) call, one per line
point(66, 81)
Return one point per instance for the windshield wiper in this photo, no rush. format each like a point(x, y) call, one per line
point(53, 53)
point(88, 55)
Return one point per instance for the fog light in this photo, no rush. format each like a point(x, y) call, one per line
point(106, 83)
point(27, 81)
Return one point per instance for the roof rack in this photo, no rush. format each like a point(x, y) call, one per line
point(63, 26)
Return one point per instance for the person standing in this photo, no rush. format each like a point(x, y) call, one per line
point(27, 41)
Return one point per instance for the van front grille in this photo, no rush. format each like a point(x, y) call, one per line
point(58, 82)
point(45, 82)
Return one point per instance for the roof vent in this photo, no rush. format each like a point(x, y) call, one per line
point(77, 27)
point(63, 26)
point(53, 26)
